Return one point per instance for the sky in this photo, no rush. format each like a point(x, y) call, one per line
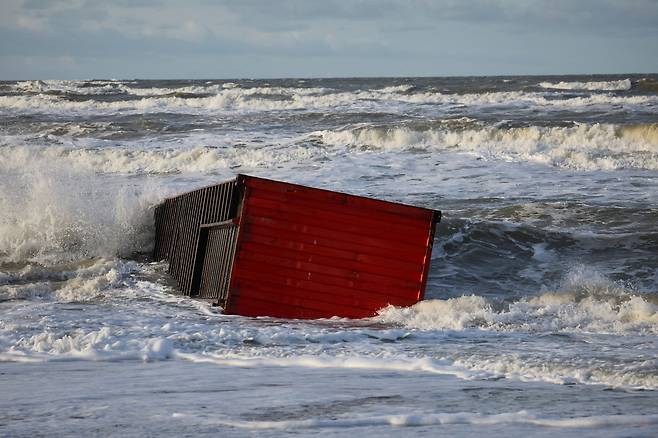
point(83, 39)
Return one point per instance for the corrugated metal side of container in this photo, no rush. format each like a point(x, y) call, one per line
point(217, 243)
point(311, 253)
point(177, 227)
point(162, 220)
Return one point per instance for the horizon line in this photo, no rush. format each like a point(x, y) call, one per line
point(265, 78)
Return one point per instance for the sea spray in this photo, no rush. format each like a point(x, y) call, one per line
point(51, 214)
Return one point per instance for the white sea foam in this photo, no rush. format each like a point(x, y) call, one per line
point(582, 147)
point(170, 340)
point(161, 326)
point(122, 87)
point(255, 99)
point(74, 87)
point(223, 89)
point(31, 273)
point(25, 291)
point(400, 363)
point(202, 159)
point(621, 85)
point(517, 98)
point(404, 88)
point(562, 370)
point(426, 419)
point(586, 302)
point(85, 282)
point(89, 282)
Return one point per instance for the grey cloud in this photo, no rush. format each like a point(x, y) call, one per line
point(576, 17)
point(583, 13)
point(349, 36)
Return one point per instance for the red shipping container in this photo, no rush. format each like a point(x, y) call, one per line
point(259, 247)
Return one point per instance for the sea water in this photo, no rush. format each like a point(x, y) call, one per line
point(541, 310)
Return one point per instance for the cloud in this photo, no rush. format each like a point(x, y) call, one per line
point(486, 32)
point(186, 19)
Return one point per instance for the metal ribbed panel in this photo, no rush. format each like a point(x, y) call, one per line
point(309, 253)
point(164, 229)
point(177, 230)
point(218, 262)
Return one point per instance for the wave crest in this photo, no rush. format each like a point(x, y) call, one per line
point(581, 147)
point(622, 85)
point(201, 159)
point(587, 302)
point(215, 98)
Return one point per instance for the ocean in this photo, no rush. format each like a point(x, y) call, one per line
point(541, 310)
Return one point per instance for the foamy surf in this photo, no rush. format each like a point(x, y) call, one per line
point(127, 160)
point(621, 85)
point(580, 147)
point(433, 419)
point(268, 99)
point(587, 303)
point(396, 341)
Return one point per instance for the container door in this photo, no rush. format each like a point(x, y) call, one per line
point(217, 246)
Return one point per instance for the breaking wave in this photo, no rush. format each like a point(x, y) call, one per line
point(101, 87)
point(200, 159)
point(582, 147)
point(622, 85)
point(52, 214)
point(90, 88)
point(217, 98)
point(586, 302)
point(521, 418)
point(69, 87)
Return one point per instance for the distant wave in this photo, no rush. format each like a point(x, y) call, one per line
point(216, 98)
point(132, 88)
point(621, 85)
point(52, 86)
point(90, 88)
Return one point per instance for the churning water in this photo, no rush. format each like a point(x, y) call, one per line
point(541, 310)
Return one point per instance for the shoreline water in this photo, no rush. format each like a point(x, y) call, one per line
point(117, 398)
